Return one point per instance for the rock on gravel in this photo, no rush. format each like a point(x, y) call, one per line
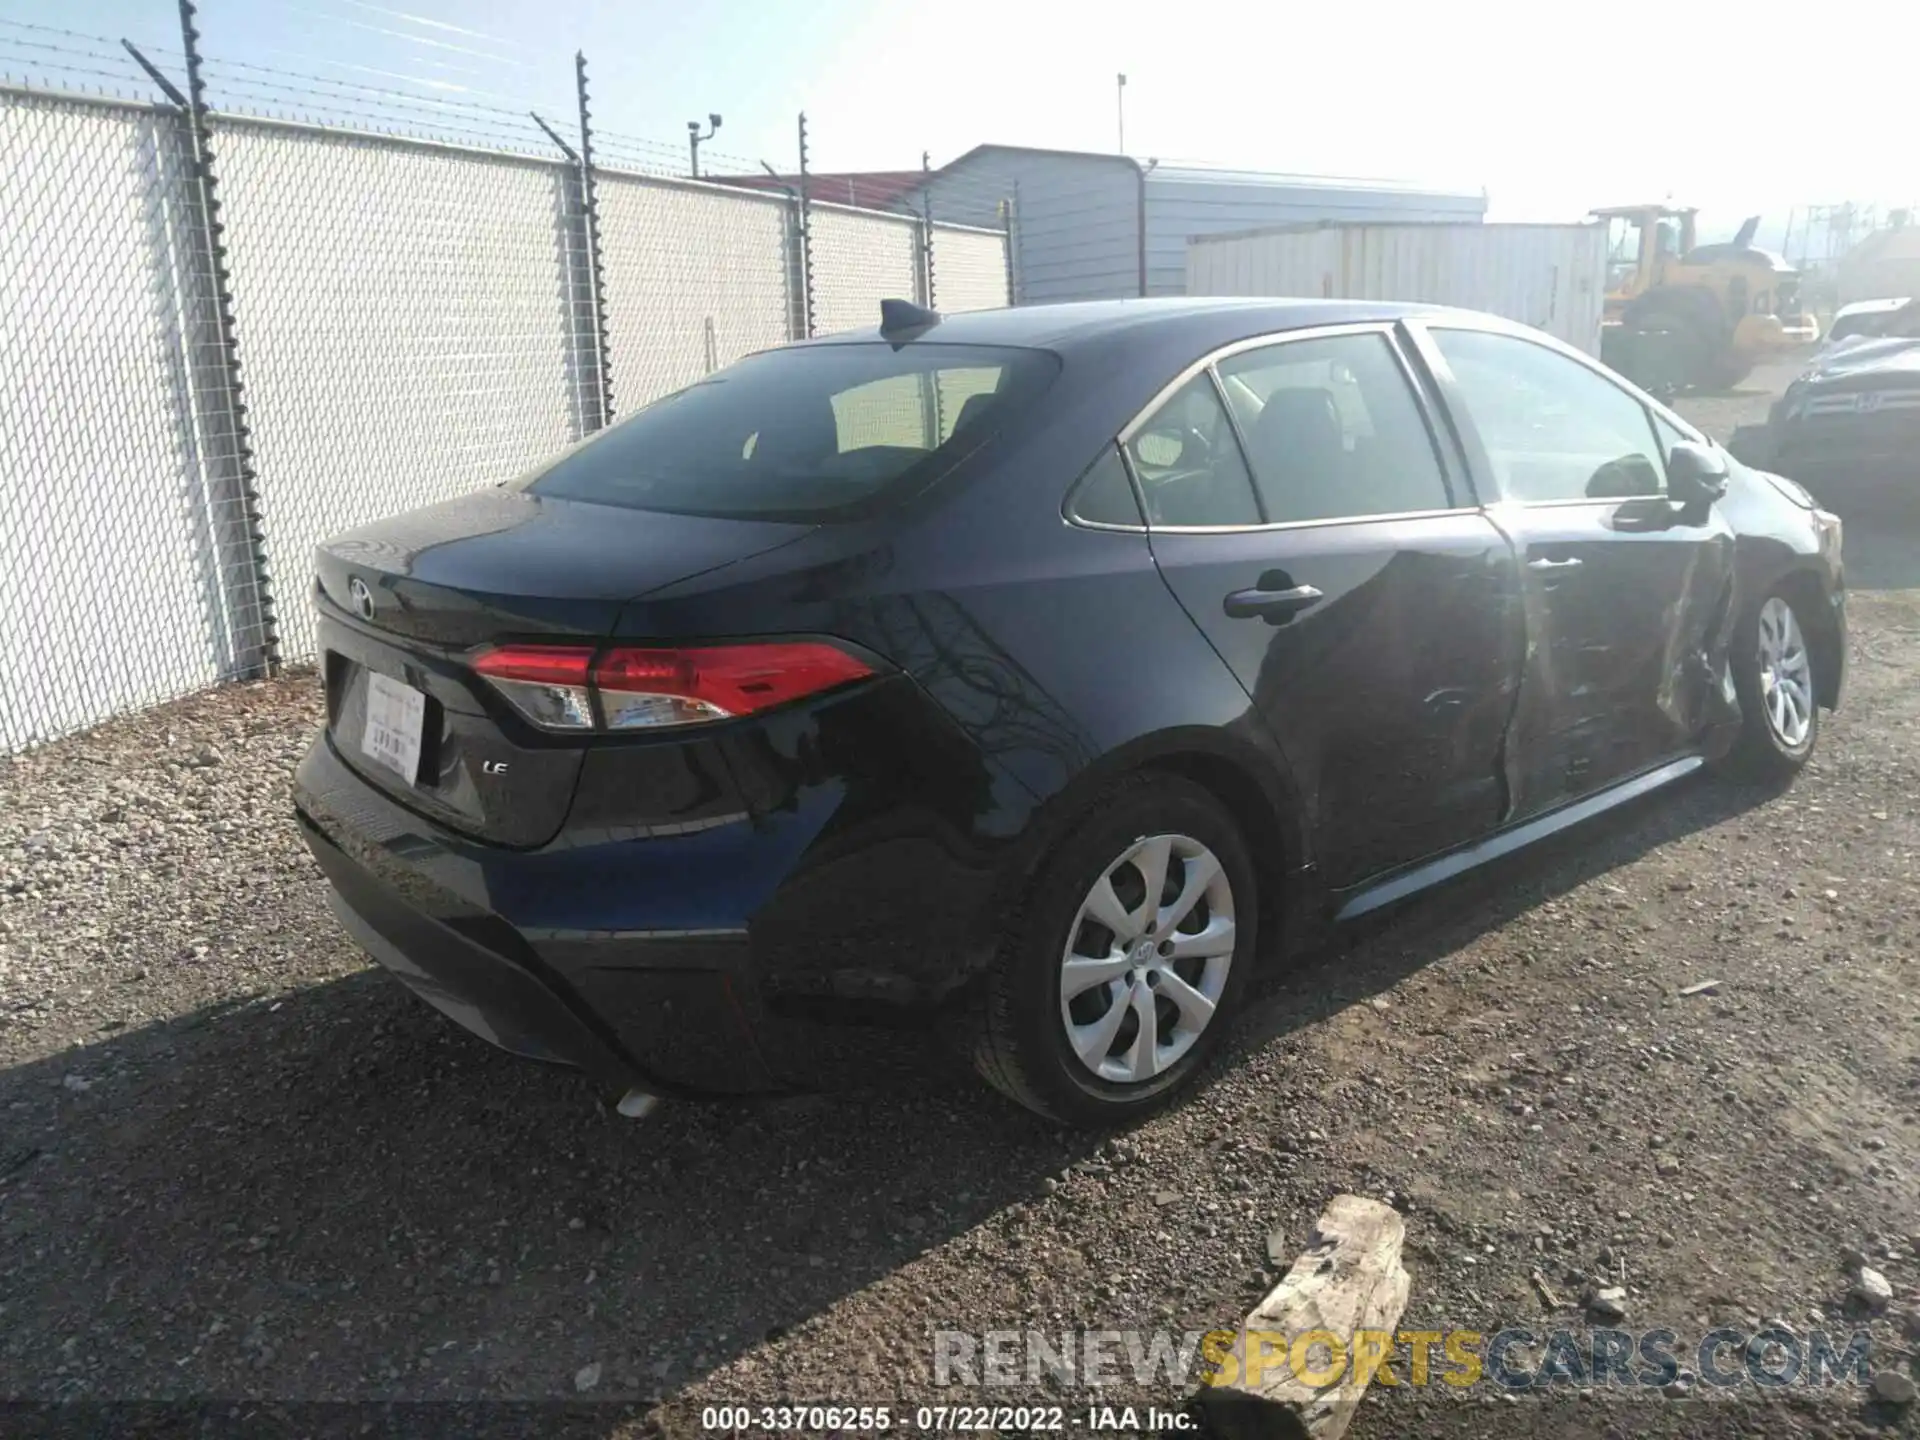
point(1608, 1304)
point(1871, 1289)
point(1893, 1387)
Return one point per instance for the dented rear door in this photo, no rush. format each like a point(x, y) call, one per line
point(1303, 511)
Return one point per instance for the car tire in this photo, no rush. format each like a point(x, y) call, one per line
point(1728, 369)
point(1774, 677)
point(1069, 1043)
point(1692, 323)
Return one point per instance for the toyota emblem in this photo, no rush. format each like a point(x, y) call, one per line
point(362, 597)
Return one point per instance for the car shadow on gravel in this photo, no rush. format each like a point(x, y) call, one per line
point(1882, 545)
point(335, 1193)
point(1373, 954)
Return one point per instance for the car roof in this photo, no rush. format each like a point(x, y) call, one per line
point(1178, 319)
point(1872, 307)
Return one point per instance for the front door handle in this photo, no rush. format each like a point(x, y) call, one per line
point(1273, 606)
point(1569, 563)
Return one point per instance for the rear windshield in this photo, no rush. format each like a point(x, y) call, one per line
point(1850, 325)
point(813, 433)
point(1902, 321)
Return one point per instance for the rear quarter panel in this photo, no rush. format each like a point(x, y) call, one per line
point(1057, 650)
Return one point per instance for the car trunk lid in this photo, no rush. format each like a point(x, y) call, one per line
point(407, 604)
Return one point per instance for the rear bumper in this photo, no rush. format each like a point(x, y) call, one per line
point(660, 1026)
point(788, 910)
point(498, 999)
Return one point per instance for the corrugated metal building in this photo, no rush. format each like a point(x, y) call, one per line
point(1088, 226)
point(1552, 277)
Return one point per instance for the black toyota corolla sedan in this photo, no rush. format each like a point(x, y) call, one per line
point(1028, 679)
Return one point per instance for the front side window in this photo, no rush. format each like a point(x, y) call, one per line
point(1189, 464)
point(1623, 252)
point(1670, 434)
point(803, 434)
point(1333, 430)
point(1552, 428)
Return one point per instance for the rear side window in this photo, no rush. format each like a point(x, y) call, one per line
point(1333, 429)
point(814, 433)
point(1189, 464)
point(1104, 495)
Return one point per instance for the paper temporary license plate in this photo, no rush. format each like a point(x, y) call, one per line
point(395, 714)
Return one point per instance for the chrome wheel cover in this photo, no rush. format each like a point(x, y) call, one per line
point(1146, 959)
point(1786, 674)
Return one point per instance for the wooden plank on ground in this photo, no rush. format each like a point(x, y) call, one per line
point(1347, 1281)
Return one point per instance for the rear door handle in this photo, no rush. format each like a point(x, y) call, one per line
point(1271, 605)
point(1569, 563)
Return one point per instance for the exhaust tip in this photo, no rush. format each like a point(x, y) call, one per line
point(638, 1104)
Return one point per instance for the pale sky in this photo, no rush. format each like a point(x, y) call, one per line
point(1737, 106)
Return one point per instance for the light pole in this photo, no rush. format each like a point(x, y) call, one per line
point(1120, 104)
point(695, 139)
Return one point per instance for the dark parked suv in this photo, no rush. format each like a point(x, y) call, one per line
point(1029, 678)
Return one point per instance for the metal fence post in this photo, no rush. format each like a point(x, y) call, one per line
point(219, 406)
point(586, 316)
point(806, 238)
point(926, 227)
point(1009, 217)
point(596, 273)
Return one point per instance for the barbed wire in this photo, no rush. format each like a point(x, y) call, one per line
point(103, 44)
point(626, 151)
point(45, 55)
point(380, 92)
point(501, 129)
point(430, 109)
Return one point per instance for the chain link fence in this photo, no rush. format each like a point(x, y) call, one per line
point(112, 592)
point(201, 381)
point(407, 328)
point(696, 276)
point(853, 253)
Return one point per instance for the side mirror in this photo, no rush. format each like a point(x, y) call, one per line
point(1696, 474)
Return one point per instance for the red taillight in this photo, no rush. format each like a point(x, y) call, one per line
point(649, 688)
point(537, 664)
point(546, 683)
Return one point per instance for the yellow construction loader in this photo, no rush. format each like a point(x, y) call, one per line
point(1682, 315)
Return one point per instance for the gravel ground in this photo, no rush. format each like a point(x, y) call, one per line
point(239, 1166)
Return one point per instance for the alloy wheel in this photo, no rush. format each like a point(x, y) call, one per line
point(1786, 674)
point(1147, 958)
